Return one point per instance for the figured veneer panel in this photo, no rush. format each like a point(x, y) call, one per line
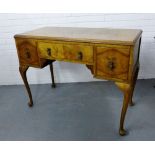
point(113, 62)
point(27, 53)
point(49, 50)
point(78, 53)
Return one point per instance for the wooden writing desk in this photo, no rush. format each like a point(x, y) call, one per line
point(111, 54)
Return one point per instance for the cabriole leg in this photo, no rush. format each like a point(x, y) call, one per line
point(126, 88)
point(133, 86)
point(22, 70)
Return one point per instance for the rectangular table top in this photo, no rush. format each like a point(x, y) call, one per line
point(92, 35)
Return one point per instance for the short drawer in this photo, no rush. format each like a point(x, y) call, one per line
point(68, 52)
point(50, 50)
point(113, 62)
point(78, 53)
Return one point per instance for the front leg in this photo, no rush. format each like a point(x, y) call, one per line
point(134, 79)
point(126, 88)
point(22, 70)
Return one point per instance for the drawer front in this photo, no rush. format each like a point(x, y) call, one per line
point(50, 50)
point(113, 62)
point(27, 53)
point(67, 52)
point(78, 53)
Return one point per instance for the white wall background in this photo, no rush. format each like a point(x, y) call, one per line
point(11, 24)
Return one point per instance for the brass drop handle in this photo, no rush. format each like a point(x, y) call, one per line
point(49, 51)
point(27, 53)
point(111, 65)
point(80, 55)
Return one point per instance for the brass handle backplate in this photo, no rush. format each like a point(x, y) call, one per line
point(49, 51)
point(111, 64)
point(27, 53)
point(80, 55)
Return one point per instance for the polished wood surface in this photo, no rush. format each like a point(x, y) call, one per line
point(82, 53)
point(113, 61)
point(111, 54)
point(93, 35)
point(27, 53)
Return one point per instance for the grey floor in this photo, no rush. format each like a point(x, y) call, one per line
point(76, 111)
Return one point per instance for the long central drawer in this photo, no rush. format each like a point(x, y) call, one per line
point(82, 53)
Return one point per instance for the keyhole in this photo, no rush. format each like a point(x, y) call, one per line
point(27, 53)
